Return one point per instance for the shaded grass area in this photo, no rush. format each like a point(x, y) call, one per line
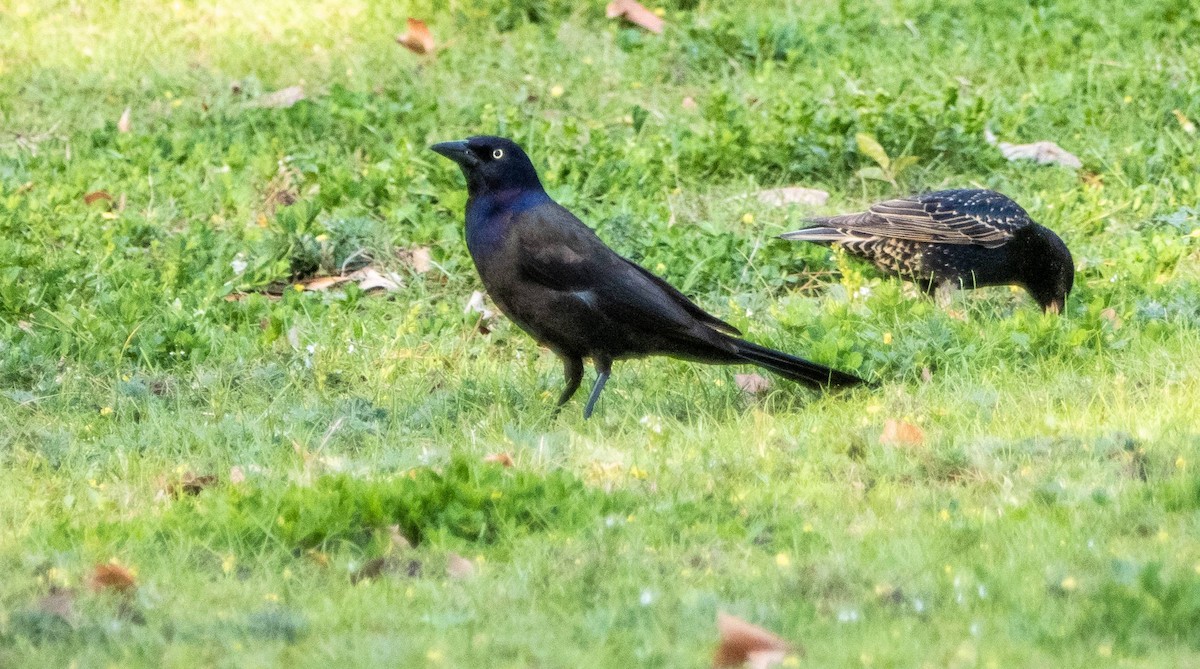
point(1048, 518)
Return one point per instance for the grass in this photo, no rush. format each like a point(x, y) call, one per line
point(1049, 517)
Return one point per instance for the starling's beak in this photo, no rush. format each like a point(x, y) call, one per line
point(1055, 306)
point(457, 151)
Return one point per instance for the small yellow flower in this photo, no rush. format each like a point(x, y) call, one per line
point(944, 514)
point(637, 472)
point(108, 215)
point(887, 338)
point(807, 527)
point(271, 597)
point(299, 287)
point(557, 91)
point(106, 411)
point(228, 563)
point(1069, 584)
point(1104, 650)
point(660, 12)
point(747, 218)
point(435, 655)
point(783, 560)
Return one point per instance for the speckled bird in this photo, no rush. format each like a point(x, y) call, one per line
point(955, 238)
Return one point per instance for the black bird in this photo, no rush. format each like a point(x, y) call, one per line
point(951, 238)
point(554, 278)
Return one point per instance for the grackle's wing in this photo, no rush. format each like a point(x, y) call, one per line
point(978, 217)
point(561, 253)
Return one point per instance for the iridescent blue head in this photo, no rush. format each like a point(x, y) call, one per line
point(491, 164)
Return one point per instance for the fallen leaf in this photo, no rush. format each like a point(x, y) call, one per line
point(752, 383)
point(635, 13)
point(899, 433)
point(459, 567)
point(418, 258)
point(1044, 152)
point(1111, 316)
point(1185, 123)
point(502, 459)
point(477, 305)
point(112, 576)
point(368, 279)
point(745, 644)
point(125, 124)
point(418, 39)
point(282, 98)
point(781, 197)
point(96, 195)
point(236, 475)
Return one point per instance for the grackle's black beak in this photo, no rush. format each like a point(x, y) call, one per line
point(458, 152)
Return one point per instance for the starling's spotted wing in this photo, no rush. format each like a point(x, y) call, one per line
point(965, 217)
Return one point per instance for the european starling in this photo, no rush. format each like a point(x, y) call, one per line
point(955, 238)
point(557, 281)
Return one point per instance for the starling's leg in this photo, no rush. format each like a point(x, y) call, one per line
point(573, 373)
point(603, 369)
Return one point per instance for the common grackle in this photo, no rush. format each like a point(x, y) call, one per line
point(554, 278)
point(951, 238)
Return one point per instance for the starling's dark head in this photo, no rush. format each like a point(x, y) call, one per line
point(491, 163)
point(1049, 270)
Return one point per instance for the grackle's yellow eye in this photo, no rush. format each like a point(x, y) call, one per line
point(498, 154)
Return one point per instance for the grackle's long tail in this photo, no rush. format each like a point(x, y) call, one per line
point(796, 369)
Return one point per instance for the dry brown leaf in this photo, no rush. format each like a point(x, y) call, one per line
point(237, 475)
point(323, 283)
point(459, 567)
point(1112, 317)
point(112, 576)
point(1044, 152)
point(418, 39)
point(96, 195)
point(635, 13)
point(368, 279)
point(125, 124)
point(900, 433)
point(781, 197)
point(419, 258)
point(282, 98)
point(752, 383)
point(745, 644)
point(502, 459)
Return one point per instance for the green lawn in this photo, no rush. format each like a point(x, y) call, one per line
point(1050, 517)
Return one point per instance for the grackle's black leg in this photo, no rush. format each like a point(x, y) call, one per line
point(603, 369)
point(573, 373)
